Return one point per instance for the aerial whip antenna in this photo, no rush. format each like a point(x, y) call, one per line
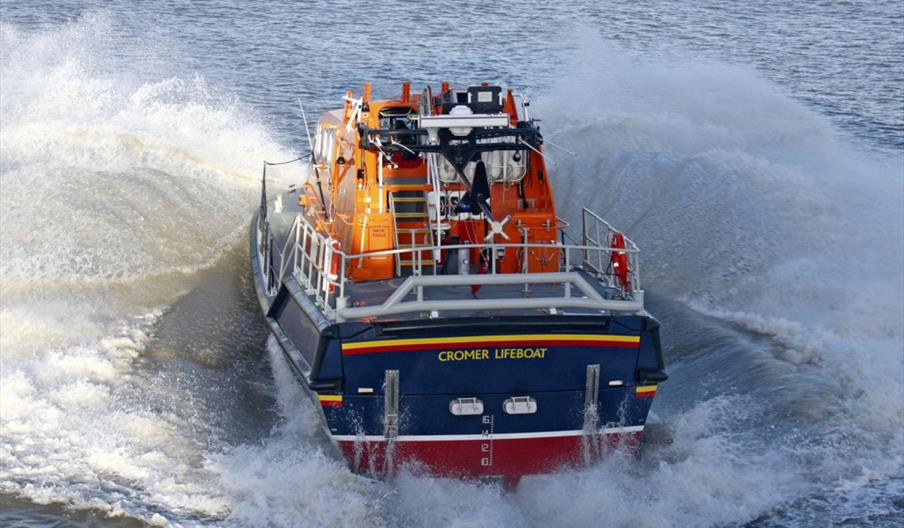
point(307, 131)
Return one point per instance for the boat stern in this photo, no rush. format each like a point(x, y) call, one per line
point(506, 402)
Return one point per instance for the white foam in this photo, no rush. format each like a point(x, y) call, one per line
point(117, 187)
point(735, 192)
point(751, 208)
point(294, 476)
point(740, 197)
point(707, 475)
point(109, 174)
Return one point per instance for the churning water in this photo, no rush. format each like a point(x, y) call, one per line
point(754, 152)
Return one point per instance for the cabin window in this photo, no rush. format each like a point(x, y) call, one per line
point(396, 116)
point(325, 147)
point(315, 148)
point(329, 154)
point(325, 150)
point(399, 118)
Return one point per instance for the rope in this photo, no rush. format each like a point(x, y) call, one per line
point(272, 163)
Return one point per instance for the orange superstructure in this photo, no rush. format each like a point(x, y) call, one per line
point(423, 290)
point(383, 182)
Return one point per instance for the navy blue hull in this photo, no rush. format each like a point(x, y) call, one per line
point(485, 364)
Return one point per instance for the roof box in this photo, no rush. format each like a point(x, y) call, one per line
point(480, 99)
point(485, 99)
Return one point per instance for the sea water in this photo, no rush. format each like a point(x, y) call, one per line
point(754, 152)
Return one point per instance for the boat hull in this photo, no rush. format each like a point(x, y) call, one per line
point(530, 374)
point(558, 430)
point(475, 456)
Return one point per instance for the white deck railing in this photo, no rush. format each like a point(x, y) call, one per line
point(321, 268)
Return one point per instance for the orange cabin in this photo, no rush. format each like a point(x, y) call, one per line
point(423, 171)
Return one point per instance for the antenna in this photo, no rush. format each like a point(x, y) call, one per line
point(306, 129)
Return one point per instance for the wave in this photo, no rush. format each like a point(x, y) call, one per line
point(744, 203)
point(119, 186)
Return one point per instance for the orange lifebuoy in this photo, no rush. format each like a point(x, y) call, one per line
point(334, 262)
point(619, 261)
point(333, 274)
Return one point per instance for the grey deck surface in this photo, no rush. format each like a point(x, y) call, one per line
point(373, 293)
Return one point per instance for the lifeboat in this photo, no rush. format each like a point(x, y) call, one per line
point(430, 299)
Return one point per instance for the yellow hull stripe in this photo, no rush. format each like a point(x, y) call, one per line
point(646, 388)
point(491, 339)
point(330, 397)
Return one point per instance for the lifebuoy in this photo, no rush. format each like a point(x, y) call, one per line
point(333, 263)
point(619, 261)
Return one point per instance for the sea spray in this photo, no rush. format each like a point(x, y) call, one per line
point(747, 204)
point(117, 190)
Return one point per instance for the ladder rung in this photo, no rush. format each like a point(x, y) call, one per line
point(419, 233)
point(411, 215)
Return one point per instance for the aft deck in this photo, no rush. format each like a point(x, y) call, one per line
point(308, 264)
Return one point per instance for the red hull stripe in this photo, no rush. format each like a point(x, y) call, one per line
point(330, 400)
point(496, 456)
point(645, 391)
point(482, 438)
point(471, 344)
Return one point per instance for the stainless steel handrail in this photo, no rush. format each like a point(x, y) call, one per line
point(321, 268)
point(396, 303)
